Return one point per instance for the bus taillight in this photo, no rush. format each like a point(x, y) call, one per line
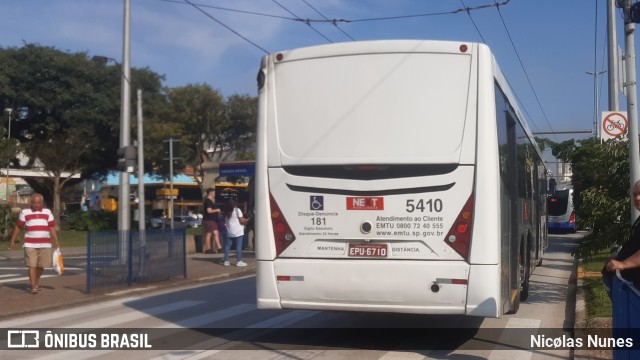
point(459, 236)
point(282, 233)
point(572, 218)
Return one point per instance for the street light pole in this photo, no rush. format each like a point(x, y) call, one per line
point(612, 55)
point(124, 222)
point(596, 120)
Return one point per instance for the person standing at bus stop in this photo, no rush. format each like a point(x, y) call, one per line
point(235, 231)
point(209, 222)
point(39, 227)
point(628, 258)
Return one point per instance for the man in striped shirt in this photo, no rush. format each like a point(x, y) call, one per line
point(39, 228)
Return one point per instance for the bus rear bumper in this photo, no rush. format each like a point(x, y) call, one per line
point(407, 286)
point(561, 226)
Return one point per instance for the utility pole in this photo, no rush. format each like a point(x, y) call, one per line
point(596, 120)
point(141, 199)
point(124, 221)
point(171, 178)
point(632, 100)
point(612, 56)
point(171, 150)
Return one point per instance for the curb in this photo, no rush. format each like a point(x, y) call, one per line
point(580, 323)
point(581, 327)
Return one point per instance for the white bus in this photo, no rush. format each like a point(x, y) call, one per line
point(395, 176)
point(562, 216)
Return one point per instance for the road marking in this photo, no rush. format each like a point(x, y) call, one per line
point(8, 275)
point(506, 352)
point(241, 335)
point(40, 320)
point(282, 321)
point(137, 314)
point(398, 355)
point(23, 278)
point(192, 322)
point(187, 354)
point(206, 319)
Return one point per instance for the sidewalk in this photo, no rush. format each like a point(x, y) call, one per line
point(67, 290)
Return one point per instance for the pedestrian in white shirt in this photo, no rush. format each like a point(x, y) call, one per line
point(235, 223)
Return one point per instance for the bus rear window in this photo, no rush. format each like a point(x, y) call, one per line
point(371, 107)
point(557, 204)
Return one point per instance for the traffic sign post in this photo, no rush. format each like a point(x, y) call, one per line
point(172, 152)
point(614, 125)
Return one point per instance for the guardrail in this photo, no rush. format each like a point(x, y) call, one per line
point(625, 298)
point(117, 258)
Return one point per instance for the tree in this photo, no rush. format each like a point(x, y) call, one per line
point(68, 112)
point(600, 182)
point(210, 129)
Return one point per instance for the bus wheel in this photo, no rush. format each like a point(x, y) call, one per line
point(524, 289)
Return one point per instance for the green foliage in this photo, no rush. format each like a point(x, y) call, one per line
point(595, 261)
point(203, 120)
point(91, 221)
point(8, 219)
point(601, 190)
point(66, 112)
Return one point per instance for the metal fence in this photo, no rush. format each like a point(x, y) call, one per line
point(625, 299)
point(117, 258)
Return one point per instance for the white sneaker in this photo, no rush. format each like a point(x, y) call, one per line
point(241, 263)
point(226, 263)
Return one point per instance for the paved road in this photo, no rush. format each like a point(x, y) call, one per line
point(227, 310)
point(14, 271)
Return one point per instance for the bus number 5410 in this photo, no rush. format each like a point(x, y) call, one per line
point(431, 205)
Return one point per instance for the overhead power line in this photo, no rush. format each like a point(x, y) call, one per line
point(535, 94)
point(231, 10)
point(309, 21)
point(473, 22)
point(308, 24)
point(226, 26)
point(467, 9)
point(326, 18)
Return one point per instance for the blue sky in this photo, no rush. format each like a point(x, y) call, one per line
point(555, 40)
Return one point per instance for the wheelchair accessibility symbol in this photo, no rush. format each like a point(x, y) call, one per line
point(316, 202)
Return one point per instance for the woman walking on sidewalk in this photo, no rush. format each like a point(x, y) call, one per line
point(235, 231)
point(209, 221)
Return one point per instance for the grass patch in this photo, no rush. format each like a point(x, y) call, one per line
point(73, 238)
point(596, 300)
point(70, 238)
point(194, 231)
point(595, 262)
